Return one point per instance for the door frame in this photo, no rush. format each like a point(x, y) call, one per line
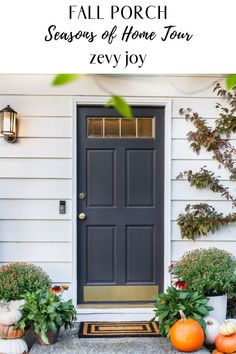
point(137, 101)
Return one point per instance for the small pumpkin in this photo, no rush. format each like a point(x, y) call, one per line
point(212, 330)
point(9, 316)
point(226, 344)
point(9, 332)
point(13, 346)
point(215, 351)
point(227, 328)
point(186, 335)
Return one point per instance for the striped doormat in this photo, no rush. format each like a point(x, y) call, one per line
point(118, 329)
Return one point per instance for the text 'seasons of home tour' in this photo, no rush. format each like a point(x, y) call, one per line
point(117, 32)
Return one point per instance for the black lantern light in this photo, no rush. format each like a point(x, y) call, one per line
point(8, 123)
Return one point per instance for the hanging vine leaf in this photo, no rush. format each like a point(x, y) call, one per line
point(231, 81)
point(62, 79)
point(121, 106)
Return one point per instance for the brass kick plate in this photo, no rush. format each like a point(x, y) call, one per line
point(123, 293)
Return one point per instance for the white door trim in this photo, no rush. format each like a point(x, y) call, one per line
point(138, 101)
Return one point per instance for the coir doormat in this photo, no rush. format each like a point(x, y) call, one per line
point(118, 329)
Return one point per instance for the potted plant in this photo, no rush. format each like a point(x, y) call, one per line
point(210, 271)
point(47, 312)
point(169, 305)
point(15, 280)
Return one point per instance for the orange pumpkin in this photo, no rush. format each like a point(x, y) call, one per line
point(226, 344)
point(215, 351)
point(9, 332)
point(186, 335)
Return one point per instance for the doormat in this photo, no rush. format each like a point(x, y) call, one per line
point(118, 329)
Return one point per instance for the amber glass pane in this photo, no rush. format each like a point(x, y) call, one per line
point(128, 128)
point(94, 127)
point(145, 128)
point(112, 128)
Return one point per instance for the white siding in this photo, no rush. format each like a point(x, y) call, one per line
point(36, 172)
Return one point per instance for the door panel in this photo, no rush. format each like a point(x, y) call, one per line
point(140, 171)
point(120, 172)
point(139, 256)
point(100, 254)
point(100, 178)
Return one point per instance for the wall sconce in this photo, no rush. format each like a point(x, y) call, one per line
point(8, 123)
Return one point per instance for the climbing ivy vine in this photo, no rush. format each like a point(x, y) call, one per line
point(205, 178)
point(200, 219)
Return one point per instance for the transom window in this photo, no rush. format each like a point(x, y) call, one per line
point(113, 127)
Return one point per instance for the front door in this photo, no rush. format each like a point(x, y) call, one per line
point(120, 204)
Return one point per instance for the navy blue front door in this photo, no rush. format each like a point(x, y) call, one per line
point(120, 203)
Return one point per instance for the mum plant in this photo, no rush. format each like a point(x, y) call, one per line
point(19, 278)
point(210, 271)
point(169, 305)
point(47, 310)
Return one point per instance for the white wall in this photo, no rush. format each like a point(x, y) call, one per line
point(36, 172)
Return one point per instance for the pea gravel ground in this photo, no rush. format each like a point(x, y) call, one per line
point(69, 343)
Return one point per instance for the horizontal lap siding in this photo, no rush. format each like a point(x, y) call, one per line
point(60, 168)
point(37, 148)
point(36, 172)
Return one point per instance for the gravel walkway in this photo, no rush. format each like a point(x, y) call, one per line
point(69, 343)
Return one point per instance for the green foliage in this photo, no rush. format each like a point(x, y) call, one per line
point(169, 304)
point(231, 81)
point(46, 310)
point(18, 278)
point(121, 106)
point(61, 79)
point(210, 271)
point(205, 178)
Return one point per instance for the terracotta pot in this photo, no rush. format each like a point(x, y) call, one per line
point(52, 337)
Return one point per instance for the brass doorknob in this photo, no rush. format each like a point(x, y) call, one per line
point(82, 216)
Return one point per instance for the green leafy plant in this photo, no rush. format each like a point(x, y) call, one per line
point(46, 310)
point(205, 178)
point(18, 278)
point(169, 304)
point(115, 101)
point(200, 219)
point(210, 271)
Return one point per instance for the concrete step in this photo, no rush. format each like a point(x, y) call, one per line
point(69, 343)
